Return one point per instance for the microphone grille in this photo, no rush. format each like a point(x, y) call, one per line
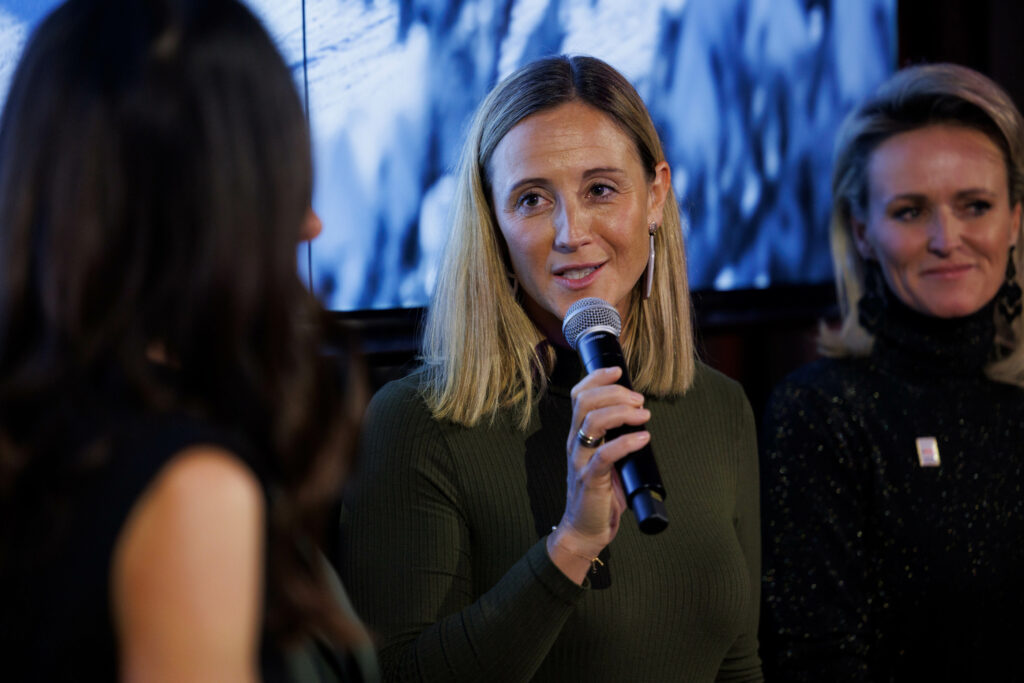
point(588, 314)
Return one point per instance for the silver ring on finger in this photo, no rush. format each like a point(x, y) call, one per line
point(587, 440)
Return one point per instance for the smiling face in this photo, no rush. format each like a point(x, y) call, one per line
point(939, 220)
point(573, 203)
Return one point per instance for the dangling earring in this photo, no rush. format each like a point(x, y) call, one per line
point(1008, 299)
point(652, 230)
point(872, 303)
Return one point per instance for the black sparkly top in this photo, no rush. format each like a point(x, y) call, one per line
point(878, 568)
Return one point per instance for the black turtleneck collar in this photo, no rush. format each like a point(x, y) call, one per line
point(911, 341)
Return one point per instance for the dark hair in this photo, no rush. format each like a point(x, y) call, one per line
point(154, 175)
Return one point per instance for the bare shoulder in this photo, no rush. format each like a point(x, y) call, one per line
point(187, 571)
point(207, 477)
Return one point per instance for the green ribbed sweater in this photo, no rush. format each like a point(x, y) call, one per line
point(443, 546)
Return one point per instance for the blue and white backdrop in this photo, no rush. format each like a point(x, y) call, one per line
point(747, 95)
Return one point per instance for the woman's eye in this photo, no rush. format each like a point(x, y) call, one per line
point(906, 213)
point(978, 207)
point(529, 200)
point(600, 190)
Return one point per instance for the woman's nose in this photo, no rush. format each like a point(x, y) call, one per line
point(944, 232)
point(572, 228)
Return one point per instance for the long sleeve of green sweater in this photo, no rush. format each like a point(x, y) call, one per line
point(444, 556)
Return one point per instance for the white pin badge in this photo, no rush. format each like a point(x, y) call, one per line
point(928, 451)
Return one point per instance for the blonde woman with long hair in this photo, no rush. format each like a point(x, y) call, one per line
point(486, 537)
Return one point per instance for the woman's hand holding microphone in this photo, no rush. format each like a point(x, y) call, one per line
point(595, 499)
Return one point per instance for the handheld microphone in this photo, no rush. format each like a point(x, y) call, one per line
point(592, 327)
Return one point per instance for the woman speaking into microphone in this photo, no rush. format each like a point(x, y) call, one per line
point(487, 536)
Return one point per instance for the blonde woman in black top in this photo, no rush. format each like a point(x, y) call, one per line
point(893, 469)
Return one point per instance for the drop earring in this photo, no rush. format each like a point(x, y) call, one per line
point(1008, 299)
point(652, 229)
point(872, 304)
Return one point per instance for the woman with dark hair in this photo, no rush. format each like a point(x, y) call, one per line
point(892, 469)
point(171, 435)
point(485, 538)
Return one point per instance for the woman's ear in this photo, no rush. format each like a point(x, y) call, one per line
point(859, 230)
point(1015, 224)
point(657, 192)
point(311, 226)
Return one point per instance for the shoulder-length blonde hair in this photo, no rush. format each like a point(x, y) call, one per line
point(481, 352)
point(913, 98)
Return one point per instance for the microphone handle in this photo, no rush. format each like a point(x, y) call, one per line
point(641, 480)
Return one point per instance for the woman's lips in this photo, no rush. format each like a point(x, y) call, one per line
point(948, 272)
point(577, 277)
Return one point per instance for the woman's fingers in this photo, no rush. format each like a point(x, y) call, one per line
point(599, 377)
point(597, 423)
point(599, 405)
point(599, 389)
point(603, 460)
point(595, 499)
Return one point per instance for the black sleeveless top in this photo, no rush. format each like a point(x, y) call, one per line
point(56, 618)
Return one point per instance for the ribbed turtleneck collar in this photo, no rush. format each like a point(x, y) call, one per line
point(912, 341)
point(567, 372)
